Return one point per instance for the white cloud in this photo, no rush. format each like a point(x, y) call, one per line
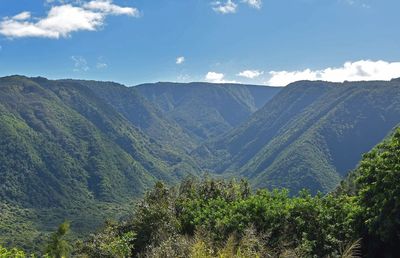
point(22, 16)
point(214, 77)
point(62, 20)
point(180, 60)
point(363, 70)
point(254, 3)
point(224, 7)
point(231, 6)
point(80, 64)
point(107, 7)
point(250, 74)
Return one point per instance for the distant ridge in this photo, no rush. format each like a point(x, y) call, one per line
point(308, 136)
point(206, 110)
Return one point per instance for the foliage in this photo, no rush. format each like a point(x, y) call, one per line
point(17, 253)
point(353, 250)
point(109, 242)
point(20, 223)
point(58, 247)
point(65, 152)
point(12, 253)
point(73, 150)
point(216, 218)
point(379, 191)
point(224, 219)
point(315, 224)
point(154, 220)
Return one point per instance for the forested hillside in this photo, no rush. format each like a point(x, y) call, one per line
point(141, 113)
point(207, 110)
point(309, 135)
point(65, 151)
point(84, 151)
point(215, 218)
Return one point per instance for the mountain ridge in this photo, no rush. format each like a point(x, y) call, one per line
point(282, 139)
point(207, 110)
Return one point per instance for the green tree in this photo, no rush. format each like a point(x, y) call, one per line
point(110, 242)
point(379, 197)
point(154, 219)
point(58, 246)
point(11, 253)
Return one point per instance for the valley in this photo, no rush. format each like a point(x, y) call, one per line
point(86, 151)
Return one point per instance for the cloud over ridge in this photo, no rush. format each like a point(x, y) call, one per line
point(215, 77)
point(250, 74)
point(363, 70)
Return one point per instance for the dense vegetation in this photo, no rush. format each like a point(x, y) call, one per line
point(378, 188)
point(309, 135)
point(215, 218)
point(83, 151)
point(66, 153)
point(141, 113)
point(224, 219)
point(206, 110)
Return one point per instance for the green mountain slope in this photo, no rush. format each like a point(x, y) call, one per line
point(141, 113)
point(308, 136)
point(66, 153)
point(207, 110)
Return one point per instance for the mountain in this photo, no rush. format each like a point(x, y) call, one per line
point(235, 221)
point(66, 153)
point(308, 136)
point(141, 113)
point(207, 110)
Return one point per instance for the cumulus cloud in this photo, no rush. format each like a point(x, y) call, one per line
point(215, 77)
point(180, 60)
point(80, 64)
point(22, 16)
point(63, 20)
point(250, 74)
point(254, 3)
point(224, 7)
point(363, 70)
point(231, 6)
point(107, 7)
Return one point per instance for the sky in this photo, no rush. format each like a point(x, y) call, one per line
point(267, 42)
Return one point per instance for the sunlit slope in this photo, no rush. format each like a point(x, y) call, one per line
point(308, 136)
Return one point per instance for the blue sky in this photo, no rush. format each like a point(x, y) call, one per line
point(249, 41)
